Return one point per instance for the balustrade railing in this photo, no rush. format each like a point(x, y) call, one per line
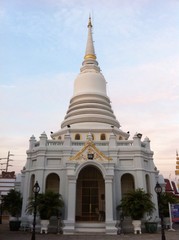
point(54, 143)
point(125, 143)
point(82, 143)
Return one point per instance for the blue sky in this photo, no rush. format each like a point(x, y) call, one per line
point(42, 46)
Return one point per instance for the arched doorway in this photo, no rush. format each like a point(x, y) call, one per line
point(90, 195)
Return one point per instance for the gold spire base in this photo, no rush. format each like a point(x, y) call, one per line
point(90, 56)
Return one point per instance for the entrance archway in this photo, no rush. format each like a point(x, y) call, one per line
point(90, 195)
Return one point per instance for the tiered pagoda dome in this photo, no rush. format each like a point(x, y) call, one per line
point(90, 103)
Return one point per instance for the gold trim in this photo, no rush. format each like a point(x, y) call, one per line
point(177, 172)
point(90, 147)
point(90, 56)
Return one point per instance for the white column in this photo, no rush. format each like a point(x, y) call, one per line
point(71, 199)
point(69, 227)
point(109, 199)
point(110, 223)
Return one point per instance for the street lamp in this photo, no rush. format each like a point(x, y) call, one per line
point(0, 208)
point(158, 190)
point(35, 190)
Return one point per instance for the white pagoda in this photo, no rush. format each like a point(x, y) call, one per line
point(90, 161)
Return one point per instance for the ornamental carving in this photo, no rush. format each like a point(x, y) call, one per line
point(8, 174)
point(90, 152)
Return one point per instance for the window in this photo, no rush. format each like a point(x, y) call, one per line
point(103, 136)
point(77, 136)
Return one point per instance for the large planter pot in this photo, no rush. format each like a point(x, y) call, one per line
point(151, 227)
point(44, 226)
point(137, 226)
point(14, 225)
point(167, 222)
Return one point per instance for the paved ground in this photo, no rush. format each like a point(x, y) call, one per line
point(5, 234)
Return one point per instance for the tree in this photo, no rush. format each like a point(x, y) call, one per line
point(12, 202)
point(48, 204)
point(165, 199)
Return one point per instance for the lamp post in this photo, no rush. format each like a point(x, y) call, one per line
point(0, 208)
point(158, 190)
point(60, 223)
point(35, 190)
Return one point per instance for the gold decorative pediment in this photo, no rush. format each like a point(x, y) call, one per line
point(90, 152)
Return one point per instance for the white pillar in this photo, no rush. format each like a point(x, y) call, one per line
point(69, 227)
point(71, 199)
point(109, 199)
point(110, 223)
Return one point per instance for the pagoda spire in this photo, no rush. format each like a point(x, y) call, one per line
point(177, 164)
point(90, 52)
point(90, 56)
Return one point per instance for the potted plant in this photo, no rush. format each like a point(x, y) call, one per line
point(135, 204)
point(12, 202)
point(48, 204)
point(151, 224)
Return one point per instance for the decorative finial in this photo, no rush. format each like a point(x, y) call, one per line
point(89, 137)
point(89, 22)
point(90, 53)
point(90, 56)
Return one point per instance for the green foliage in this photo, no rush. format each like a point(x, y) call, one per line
point(12, 202)
point(48, 204)
point(166, 198)
point(136, 203)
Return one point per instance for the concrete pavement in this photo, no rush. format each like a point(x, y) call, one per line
point(6, 234)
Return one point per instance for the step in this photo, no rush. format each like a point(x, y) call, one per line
point(89, 228)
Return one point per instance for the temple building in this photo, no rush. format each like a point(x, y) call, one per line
point(90, 160)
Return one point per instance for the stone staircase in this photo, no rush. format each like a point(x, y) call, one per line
point(90, 228)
